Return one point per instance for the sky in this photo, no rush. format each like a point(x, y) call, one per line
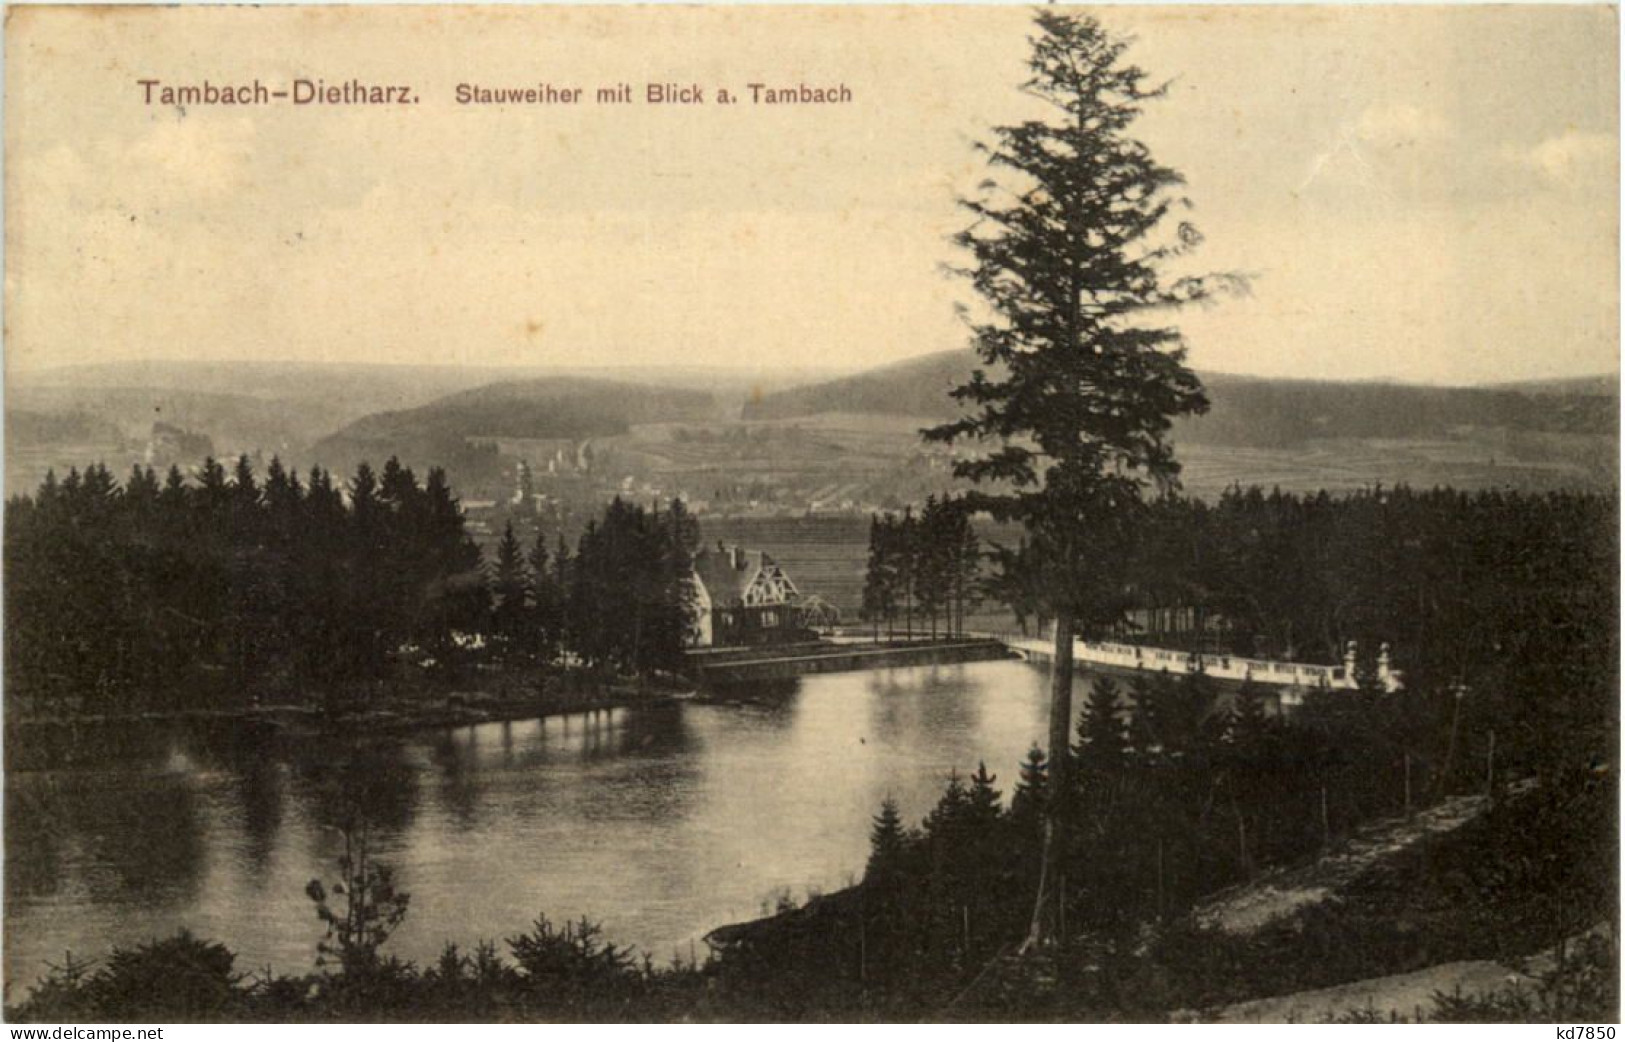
point(1426, 194)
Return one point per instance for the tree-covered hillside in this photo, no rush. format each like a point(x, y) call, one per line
point(1251, 410)
point(450, 429)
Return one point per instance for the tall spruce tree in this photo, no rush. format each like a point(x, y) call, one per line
point(887, 841)
point(546, 601)
point(967, 566)
point(510, 587)
point(1027, 802)
point(932, 550)
point(1102, 732)
point(877, 589)
point(1078, 387)
point(1247, 719)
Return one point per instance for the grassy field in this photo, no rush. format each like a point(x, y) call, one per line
point(869, 459)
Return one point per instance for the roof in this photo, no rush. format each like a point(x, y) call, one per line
point(726, 583)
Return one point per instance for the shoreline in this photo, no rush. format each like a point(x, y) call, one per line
point(454, 705)
point(485, 694)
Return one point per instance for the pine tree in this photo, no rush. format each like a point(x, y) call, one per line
point(932, 550)
point(887, 844)
point(397, 486)
point(1147, 696)
point(141, 491)
point(510, 588)
point(911, 551)
point(545, 601)
point(1102, 733)
point(561, 565)
point(674, 534)
point(245, 492)
point(983, 803)
point(212, 489)
point(877, 581)
point(967, 566)
point(1206, 725)
point(1078, 391)
point(282, 497)
point(1247, 719)
point(945, 823)
point(364, 504)
point(1032, 791)
point(1103, 787)
point(454, 593)
point(173, 497)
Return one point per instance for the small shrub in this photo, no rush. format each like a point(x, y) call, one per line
point(371, 909)
point(61, 995)
point(180, 979)
point(575, 954)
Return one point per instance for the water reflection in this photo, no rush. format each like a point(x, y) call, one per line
point(259, 794)
point(660, 822)
point(373, 781)
point(34, 855)
point(86, 821)
point(454, 755)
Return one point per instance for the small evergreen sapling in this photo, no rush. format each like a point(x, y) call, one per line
point(361, 910)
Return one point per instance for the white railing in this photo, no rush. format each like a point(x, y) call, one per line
point(1180, 663)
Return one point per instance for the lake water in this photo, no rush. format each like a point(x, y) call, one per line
point(660, 823)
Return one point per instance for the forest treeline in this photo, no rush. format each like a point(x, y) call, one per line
point(923, 572)
point(178, 592)
point(1494, 586)
point(1502, 610)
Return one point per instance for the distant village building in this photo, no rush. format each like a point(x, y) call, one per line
point(742, 597)
point(170, 443)
point(524, 493)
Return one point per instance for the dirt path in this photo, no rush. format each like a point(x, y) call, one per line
point(1408, 996)
point(1246, 910)
point(1276, 895)
point(1405, 996)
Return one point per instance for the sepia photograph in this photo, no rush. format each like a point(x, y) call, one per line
point(811, 514)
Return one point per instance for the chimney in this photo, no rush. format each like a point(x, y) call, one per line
point(737, 556)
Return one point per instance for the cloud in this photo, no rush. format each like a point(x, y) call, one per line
point(174, 164)
point(1571, 159)
point(1409, 155)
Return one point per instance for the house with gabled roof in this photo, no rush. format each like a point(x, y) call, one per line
point(742, 597)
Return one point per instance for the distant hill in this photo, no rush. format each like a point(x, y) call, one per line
point(338, 413)
point(27, 430)
point(235, 422)
point(313, 399)
point(916, 387)
point(1601, 385)
point(349, 391)
point(562, 407)
point(1252, 411)
point(1273, 413)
